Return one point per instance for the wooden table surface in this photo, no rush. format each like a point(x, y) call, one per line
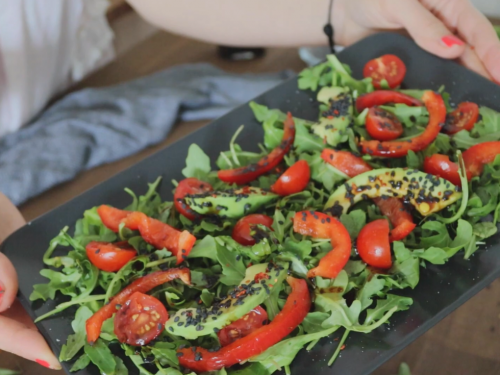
point(466, 342)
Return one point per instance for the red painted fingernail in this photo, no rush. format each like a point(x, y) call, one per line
point(452, 40)
point(2, 291)
point(43, 363)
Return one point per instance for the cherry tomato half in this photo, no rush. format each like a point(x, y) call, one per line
point(462, 118)
point(388, 67)
point(294, 180)
point(242, 229)
point(189, 186)
point(140, 320)
point(243, 327)
point(110, 257)
point(441, 166)
point(383, 125)
point(373, 244)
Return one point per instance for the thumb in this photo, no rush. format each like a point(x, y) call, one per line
point(426, 29)
point(8, 283)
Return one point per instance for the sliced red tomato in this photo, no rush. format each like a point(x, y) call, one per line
point(110, 257)
point(388, 67)
point(112, 217)
point(143, 284)
point(383, 125)
point(140, 320)
point(400, 218)
point(294, 180)
point(373, 244)
point(345, 162)
point(161, 235)
point(242, 327)
point(462, 118)
point(242, 229)
point(189, 186)
point(441, 166)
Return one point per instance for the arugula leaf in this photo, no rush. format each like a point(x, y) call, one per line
point(197, 163)
point(323, 172)
point(309, 78)
point(254, 368)
point(59, 282)
point(8, 372)
point(483, 201)
point(405, 269)
point(385, 308)
point(354, 221)
point(101, 356)
point(77, 341)
point(441, 238)
point(233, 269)
point(165, 353)
point(342, 77)
point(414, 160)
point(80, 363)
point(302, 249)
point(121, 369)
point(404, 369)
point(484, 229)
point(434, 255)
point(371, 288)
point(313, 321)
point(204, 248)
point(409, 116)
point(283, 353)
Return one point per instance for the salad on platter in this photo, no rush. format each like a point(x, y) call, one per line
point(318, 233)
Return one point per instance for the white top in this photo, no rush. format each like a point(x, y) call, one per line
point(45, 45)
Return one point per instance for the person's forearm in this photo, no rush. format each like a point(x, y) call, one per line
point(10, 218)
point(262, 23)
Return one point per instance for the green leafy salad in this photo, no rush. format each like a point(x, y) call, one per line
point(320, 233)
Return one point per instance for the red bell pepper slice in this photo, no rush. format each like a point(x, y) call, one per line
point(161, 235)
point(345, 162)
point(396, 149)
point(400, 218)
point(142, 285)
point(382, 97)
point(112, 217)
point(248, 173)
point(320, 225)
point(441, 166)
point(477, 156)
point(295, 310)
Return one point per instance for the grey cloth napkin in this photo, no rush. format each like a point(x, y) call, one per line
point(96, 126)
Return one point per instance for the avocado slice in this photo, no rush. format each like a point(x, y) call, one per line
point(192, 323)
point(234, 203)
point(339, 115)
point(426, 192)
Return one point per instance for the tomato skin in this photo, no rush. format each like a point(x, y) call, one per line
point(296, 308)
point(441, 166)
point(248, 173)
point(110, 257)
point(462, 118)
point(140, 320)
point(345, 162)
point(383, 125)
point(388, 67)
point(189, 186)
point(243, 326)
point(144, 284)
point(373, 244)
point(382, 97)
point(242, 229)
point(396, 149)
point(294, 180)
point(112, 217)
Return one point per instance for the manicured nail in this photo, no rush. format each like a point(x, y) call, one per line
point(452, 40)
point(43, 363)
point(2, 291)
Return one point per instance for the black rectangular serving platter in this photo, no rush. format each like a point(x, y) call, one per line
point(441, 290)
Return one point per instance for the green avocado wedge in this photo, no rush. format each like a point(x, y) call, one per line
point(427, 193)
point(234, 203)
point(259, 281)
